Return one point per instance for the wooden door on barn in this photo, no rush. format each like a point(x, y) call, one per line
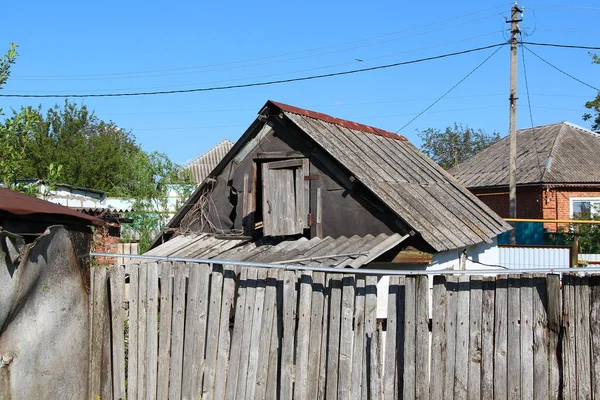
point(285, 197)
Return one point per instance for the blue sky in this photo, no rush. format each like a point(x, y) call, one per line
point(107, 47)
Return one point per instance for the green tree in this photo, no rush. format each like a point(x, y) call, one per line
point(454, 144)
point(594, 105)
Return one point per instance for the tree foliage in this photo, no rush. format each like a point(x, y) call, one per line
point(594, 105)
point(455, 144)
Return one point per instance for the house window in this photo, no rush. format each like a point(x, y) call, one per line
point(585, 207)
point(285, 197)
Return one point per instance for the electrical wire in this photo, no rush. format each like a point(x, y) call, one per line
point(560, 70)
point(255, 84)
point(563, 46)
point(452, 88)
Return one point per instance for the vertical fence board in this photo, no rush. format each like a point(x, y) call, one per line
point(236, 337)
point(451, 313)
point(246, 342)
point(407, 302)
point(554, 313)
point(132, 350)
point(595, 334)
point(257, 321)
point(223, 347)
point(569, 378)
point(371, 352)
point(582, 338)
point(287, 348)
point(461, 357)
point(346, 337)
point(333, 355)
point(212, 330)
point(526, 337)
point(475, 343)
point(274, 370)
point(303, 335)
point(359, 331)
point(266, 335)
point(422, 337)
point(152, 331)
point(500, 339)
point(178, 330)
point(164, 335)
point(142, 328)
point(438, 338)
point(514, 337)
point(390, 356)
point(540, 338)
point(487, 337)
point(99, 321)
point(316, 335)
point(117, 287)
point(195, 331)
point(323, 362)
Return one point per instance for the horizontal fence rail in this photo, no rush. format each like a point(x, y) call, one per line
point(175, 330)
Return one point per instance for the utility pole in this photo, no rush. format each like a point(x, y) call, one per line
point(515, 18)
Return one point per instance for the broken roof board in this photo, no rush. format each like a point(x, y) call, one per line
point(548, 154)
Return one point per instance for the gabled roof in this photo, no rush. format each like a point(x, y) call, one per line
point(201, 166)
point(415, 188)
point(560, 153)
point(19, 204)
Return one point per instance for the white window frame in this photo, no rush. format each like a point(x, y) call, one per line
point(594, 201)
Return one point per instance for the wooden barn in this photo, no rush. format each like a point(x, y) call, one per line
point(299, 174)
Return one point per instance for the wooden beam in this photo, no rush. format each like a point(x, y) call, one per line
point(280, 154)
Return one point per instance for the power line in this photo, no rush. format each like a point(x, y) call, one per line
point(560, 70)
point(562, 46)
point(451, 89)
point(255, 84)
point(535, 147)
point(279, 55)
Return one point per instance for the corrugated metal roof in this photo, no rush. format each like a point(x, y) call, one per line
point(556, 153)
point(203, 165)
point(342, 252)
point(21, 204)
point(420, 192)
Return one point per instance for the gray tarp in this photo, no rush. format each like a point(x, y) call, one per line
point(43, 318)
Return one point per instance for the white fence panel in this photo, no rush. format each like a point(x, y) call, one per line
point(519, 257)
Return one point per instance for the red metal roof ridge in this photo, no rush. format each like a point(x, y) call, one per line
point(338, 121)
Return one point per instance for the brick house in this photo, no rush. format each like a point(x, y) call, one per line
point(558, 173)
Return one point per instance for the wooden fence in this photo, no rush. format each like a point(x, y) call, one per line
point(194, 331)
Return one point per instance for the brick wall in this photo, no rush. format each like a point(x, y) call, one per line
point(557, 204)
point(528, 201)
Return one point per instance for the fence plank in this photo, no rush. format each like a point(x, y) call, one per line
point(346, 337)
point(132, 350)
point(487, 337)
point(276, 341)
point(236, 337)
point(316, 334)
point(595, 333)
point(333, 348)
point(373, 384)
point(303, 335)
point(406, 373)
point(324, 340)
point(461, 368)
point(177, 334)
point(475, 344)
point(526, 319)
point(212, 330)
point(514, 337)
point(164, 335)
point(422, 337)
point(257, 321)
point(451, 312)
point(359, 332)
point(438, 338)
point(582, 338)
point(246, 342)
point(223, 348)
point(500, 339)
point(554, 313)
point(390, 356)
point(195, 331)
point(569, 377)
point(117, 287)
point(99, 321)
point(269, 324)
point(142, 325)
point(152, 331)
point(540, 342)
point(289, 322)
